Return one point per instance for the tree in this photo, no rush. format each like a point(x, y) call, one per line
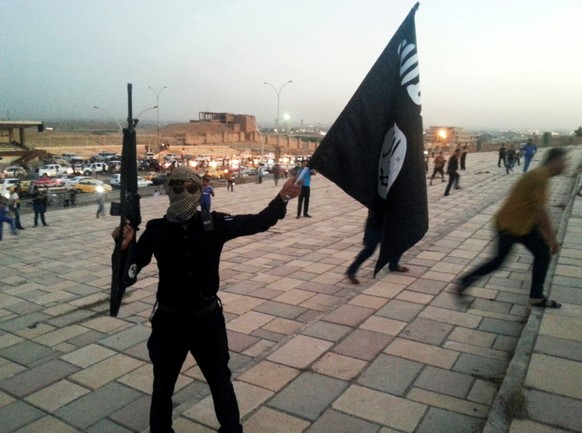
point(578, 132)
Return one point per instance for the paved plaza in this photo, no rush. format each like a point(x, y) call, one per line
point(310, 352)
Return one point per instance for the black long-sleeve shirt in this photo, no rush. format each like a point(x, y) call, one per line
point(188, 257)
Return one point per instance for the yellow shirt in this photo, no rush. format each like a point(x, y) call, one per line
point(520, 212)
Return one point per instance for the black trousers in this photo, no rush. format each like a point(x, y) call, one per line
point(205, 338)
point(303, 200)
point(453, 179)
point(535, 243)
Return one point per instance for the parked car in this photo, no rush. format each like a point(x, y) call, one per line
point(50, 170)
point(115, 181)
point(160, 179)
point(91, 186)
point(48, 182)
point(69, 180)
point(14, 171)
point(95, 167)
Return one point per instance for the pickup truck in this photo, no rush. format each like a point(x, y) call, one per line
point(97, 167)
point(51, 170)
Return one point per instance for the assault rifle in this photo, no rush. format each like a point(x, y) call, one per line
point(122, 264)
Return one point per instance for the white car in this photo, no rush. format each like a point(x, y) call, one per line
point(51, 170)
point(115, 181)
point(69, 181)
point(14, 171)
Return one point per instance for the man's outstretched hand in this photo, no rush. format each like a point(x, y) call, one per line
point(290, 190)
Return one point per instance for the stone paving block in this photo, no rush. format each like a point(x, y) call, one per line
point(93, 407)
point(72, 317)
point(472, 336)
point(107, 426)
point(249, 398)
point(381, 408)
point(272, 421)
point(243, 304)
point(294, 296)
point(308, 395)
point(48, 424)
point(555, 375)
point(444, 381)
point(27, 352)
point(17, 415)
point(390, 374)
point(337, 422)
point(8, 340)
point(238, 342)
point(280, 309)
point(60, 335)
point(559, 347)
point(185, 425)
point(339, 366)
point(127, 338)
point(481, 367)
point(562, 326)
point(88, 355)
point(555, 410)
point(417, 297)
point(482, 392)
point(477, 350)
point(423, 353)
point(56, 395)
point(321, 302)
point(105, 324)
point(427, 331)
point(527, 426)
point(400, 310)
point(438, 420)
point(505, 343)
point(449, 316)
point(22, 322)
point(135, 415)
point(363, 344)
point(269, 375)
point(372, 302)
point(300, 351)
point(283, 326)
point(497, 326)
point(383, 325)
point(384, 289)
point(106, 371)
point(25, 307)
point(327, 331)
point(29, 381)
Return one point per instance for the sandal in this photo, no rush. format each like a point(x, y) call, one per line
point(546, 303)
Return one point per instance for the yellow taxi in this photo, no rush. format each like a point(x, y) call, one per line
point(91, 186)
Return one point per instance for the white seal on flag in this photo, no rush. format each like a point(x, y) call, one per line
point(391, 159)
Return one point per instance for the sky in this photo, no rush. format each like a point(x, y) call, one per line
point(484, 64)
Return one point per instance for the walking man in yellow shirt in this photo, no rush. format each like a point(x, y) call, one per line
point(524, 219)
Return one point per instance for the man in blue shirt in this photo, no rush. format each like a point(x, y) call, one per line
point(303, 201)
point(529, 150)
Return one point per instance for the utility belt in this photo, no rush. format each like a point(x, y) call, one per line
point(188, 313)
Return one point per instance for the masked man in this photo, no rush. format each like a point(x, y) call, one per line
point(187, 245)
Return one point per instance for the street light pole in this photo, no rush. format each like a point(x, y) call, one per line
point(158, 108)
point(278, 92)
point(107, 111)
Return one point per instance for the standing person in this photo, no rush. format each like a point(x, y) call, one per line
point(229, 181)
point(524, 219)
point(502, 154)
point(260, 173)
point(276, 173)
point(438, 167)
point(303, 201)
point(39, 202)
point(189, 316)
point(529, 150)
point(100, 204)
point(463, 157)
point(4, 218)
point(372, 237)
point(15, 207)
point(510, 159)
point(207, 193)
point(452, 168)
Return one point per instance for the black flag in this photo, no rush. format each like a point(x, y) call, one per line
point(375, 149)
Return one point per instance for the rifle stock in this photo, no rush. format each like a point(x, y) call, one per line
point(122, 264)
